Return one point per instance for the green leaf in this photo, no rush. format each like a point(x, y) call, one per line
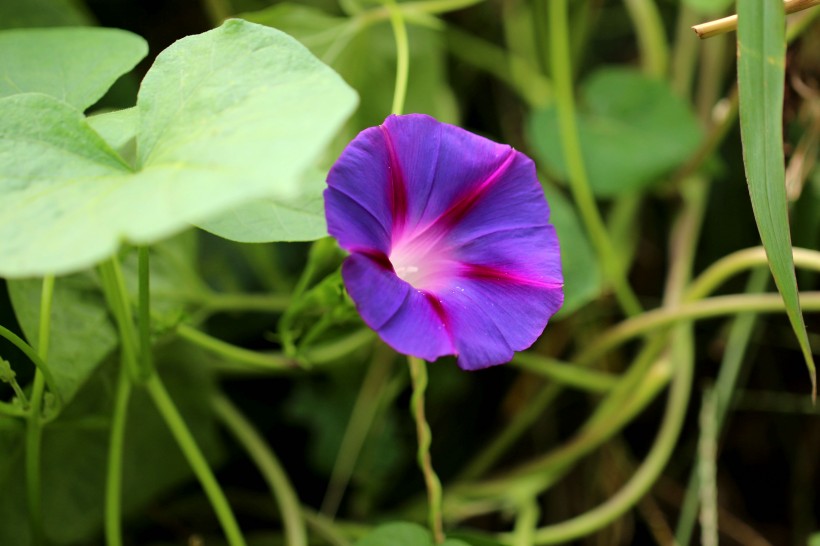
point(235, 114)
point(81, 335)
point(633, 131)
point(761, 72)
point(41, 13)
point(268, 219)
point(343, 43)
point(582, 275)
point(119, 130)
point(75, 65)
point(397, 534)
point(75, 451)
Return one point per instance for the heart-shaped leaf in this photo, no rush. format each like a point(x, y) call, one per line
point(235, 114)
point(67, 63)
point(633, 130)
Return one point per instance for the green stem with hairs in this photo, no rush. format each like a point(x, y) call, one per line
point(268, 465)
point(571, 145)
point(418, 374)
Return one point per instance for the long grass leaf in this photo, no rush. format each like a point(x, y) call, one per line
point(761, 72)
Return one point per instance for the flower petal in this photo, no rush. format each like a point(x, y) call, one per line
point(492, 318)
point(357, 207)
point(405, 318)
point(440, 162)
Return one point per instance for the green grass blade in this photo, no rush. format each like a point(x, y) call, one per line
point(761, 72)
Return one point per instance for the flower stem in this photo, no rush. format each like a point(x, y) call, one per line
point(656, 460)
point(34, 431)
point(728, 378)
point(361, 420)
point(571, 144)
point(418, 374)
point(651, 37)
point(113, 484)
point(146, 361)
point(32, 355)
point(402, 55)
point(742, 260)
point(264, 361)
point(707, 308)
point(187, 444)
point(565, 373)
point(268, 465)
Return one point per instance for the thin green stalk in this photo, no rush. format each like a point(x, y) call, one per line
point(532, 86)
point(333, 350)
point(116, 294)
point(525, 523)
point(402, 55)
point(34, 429)
point(35, 359)
point(707, 308)
point(361, 420)
point(266, 303)
point(685, 51)
point(8, 376)
point(113, 484)
point(571, 145)
point(418, 374)
point(639, 386)
point(187, 444)
point(650, 468)
point(146, 362)
point(324, 528)
point(707, 469)
point(264, 361)
point(511, 432)
point(651, 37)
point(565, 373)
point(742, 260)
point(728, 378)
point(10, 410)
point(268, 465)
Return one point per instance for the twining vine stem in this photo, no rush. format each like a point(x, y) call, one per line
point(418, 374)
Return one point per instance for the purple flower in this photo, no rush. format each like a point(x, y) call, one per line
point(451, 249)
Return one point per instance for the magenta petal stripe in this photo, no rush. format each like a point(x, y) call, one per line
point(451, 249)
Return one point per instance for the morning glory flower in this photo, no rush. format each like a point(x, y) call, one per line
point(451, 249)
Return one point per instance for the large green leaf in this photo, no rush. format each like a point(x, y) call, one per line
point(75, 65)
point(582, 275)
point(80, 334)
point(344, 42)
point(403, 534)
point(75, 452)
point(761, 72)
point(235, 114)
point(633, 130)
point(269, 219)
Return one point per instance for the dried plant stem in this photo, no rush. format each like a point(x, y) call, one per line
point(418, 374)
point(729, 24)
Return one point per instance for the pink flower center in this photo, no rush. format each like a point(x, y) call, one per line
point(424, 262)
